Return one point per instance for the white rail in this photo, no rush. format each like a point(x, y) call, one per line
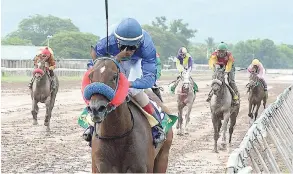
point(268, 144)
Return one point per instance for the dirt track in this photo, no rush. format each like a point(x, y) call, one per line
point(28, 148)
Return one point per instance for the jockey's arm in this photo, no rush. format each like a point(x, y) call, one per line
point(261, 71)
point(149, 72)
point(52, 64)
point(190, 63)
point(179, 67)
point(101, 49)
point(212, 61)
point(249, 69)
point(229, 63)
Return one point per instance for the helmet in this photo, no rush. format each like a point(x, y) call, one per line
point(43, 50)
point(222, 46)
point(129, 32)
point(182, 51)
point(46, 51)
point(255, 62)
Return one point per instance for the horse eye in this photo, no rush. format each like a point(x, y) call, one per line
point(115, 77)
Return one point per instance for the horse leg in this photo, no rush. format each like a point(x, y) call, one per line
point(256, 111)
point(180, 120)
point(161, 160)
point(232, 124)
point(187, 117)
point(35, 110)
point(249, 110)
point(48, 113)
point(216, 132)
point(225, 123)
point(219, 125)
point(264, 102)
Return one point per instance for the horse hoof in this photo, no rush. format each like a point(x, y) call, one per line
point(215, 151)
point(35, 122)
point(46, 123)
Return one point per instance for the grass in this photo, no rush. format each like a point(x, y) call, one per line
point(19, 79)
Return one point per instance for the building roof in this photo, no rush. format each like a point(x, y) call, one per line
point(17, 52)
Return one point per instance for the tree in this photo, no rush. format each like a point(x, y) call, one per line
point(198, 53)
point(36, 28)
point(160, 23)
point(71, 44)
point(181, 29)
point(15, 41)
point(166, 43)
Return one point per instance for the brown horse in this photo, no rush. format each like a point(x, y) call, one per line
point(256, 95)
point(122, 140)
point(42, 92)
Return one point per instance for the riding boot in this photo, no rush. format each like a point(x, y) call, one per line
point(175, 85)
point(211, 93)
point(31, 83)
point(158, 132)
point(195, 87)
point(236, 93)
point(88, 134)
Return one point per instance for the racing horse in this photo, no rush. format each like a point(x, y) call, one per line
point(42, 92)
point(122, 140)
point(185, 98)
point(221, 107)
point(256, 95)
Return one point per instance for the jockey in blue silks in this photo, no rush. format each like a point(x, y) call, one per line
point(138, 63)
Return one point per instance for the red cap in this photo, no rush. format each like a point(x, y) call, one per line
point(46, 51)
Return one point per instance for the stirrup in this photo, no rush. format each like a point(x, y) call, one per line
point(161, 137)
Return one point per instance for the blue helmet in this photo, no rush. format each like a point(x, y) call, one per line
point(129, 32)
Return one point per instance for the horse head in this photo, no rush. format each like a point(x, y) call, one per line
point(186, 81)
point(41, 68)
point(253, 80)
point(108, 88)
point(218, 78)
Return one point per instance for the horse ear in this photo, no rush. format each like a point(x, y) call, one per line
point(93, 53)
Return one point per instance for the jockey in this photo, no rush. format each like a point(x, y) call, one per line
point(134, 49)
point(260, 72)
point(222, 55)
point(184, 61)
point(48, 54)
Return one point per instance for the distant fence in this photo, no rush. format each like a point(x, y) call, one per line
point(268, 144)
point(64, 63)
point(79, 71)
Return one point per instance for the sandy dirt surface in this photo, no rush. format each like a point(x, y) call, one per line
point(28, 148)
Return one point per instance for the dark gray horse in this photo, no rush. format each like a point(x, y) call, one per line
point(185, 98)
point(256, 95)
point(42, 92)
point(221, 107)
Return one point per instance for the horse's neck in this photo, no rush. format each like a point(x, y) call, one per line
point(117, 122)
